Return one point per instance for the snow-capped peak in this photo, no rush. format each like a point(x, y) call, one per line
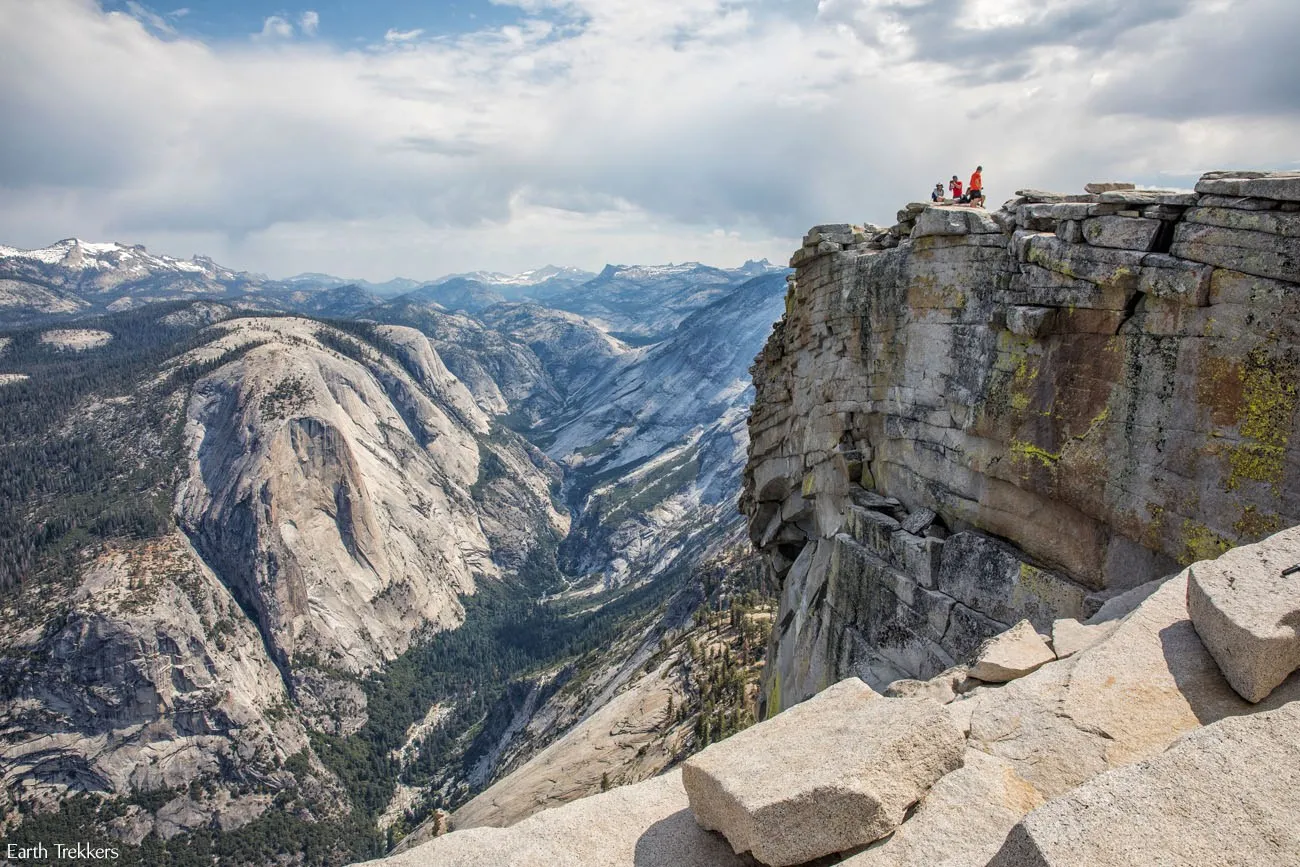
point(78, 255)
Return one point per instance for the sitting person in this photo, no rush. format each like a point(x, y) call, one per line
point(954, 186)
point(936, 195)
point(975, 195)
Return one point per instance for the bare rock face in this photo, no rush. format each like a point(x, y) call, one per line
point(1015, 653)
point(836, 772)
point(331, 488)
point(619, 742)
point(1075, 387)
point(1226, 794)
point(1069, 636)
point(644, 825)
point(151, 679)
point(960, 822)
point(1246, 608)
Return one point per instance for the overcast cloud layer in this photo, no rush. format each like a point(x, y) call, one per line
point(613, 130)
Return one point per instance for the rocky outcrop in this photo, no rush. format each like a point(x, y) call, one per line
point(837, 772)
point(975, 418)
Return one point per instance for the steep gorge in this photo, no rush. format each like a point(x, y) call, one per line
point(344, 575)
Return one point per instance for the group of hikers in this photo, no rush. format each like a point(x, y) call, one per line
point(974, 194)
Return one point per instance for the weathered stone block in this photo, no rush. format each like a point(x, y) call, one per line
point(1118, 268)
point(1031, 321)
point(872, 529)
point(1283, 186)
point(1270, 222)
point(1015, 653)
point(1241, 203)
point(1037, 196)
point(960, 822)
point(941, 221)
point(1107, 186)
point(1122, 233)
point(1070, 231)
point(1163, 212)
point(1258, 253)
point(1166, 276)
point(836, 772)
point(1069, 636)
point(1248, 612)
point(1148, 197)
point(918, 556)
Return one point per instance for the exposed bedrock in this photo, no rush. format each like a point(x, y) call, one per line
point(975, 418)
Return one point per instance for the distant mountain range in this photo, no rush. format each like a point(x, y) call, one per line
point(75, 277)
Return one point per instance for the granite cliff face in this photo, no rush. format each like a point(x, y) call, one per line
point(328, 483)
point(973, 418)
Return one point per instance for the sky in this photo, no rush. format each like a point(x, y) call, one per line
point(403, 138)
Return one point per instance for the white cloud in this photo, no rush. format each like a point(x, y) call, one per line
point(309, 23)
point(402, 35)
point(602, 130)
point(275, 27)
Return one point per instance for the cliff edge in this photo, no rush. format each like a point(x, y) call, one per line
point(974, 417)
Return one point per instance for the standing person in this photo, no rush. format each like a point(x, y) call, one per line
point(936, 195)
point(976, 193)
point(954, 186)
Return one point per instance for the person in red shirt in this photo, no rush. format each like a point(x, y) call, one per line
point(954, 186)
point(976, 193)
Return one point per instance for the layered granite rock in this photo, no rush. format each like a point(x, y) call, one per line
point(1087, 391)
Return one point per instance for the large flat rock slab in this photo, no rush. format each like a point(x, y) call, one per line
point(1284, 186)
point(1121, 701)
point(834, 773)
point(961, 822)
point(1226, 795)
point(645, 825)
point(1247, 612)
